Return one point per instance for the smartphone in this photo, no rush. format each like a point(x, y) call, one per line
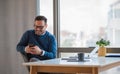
point(31, 45)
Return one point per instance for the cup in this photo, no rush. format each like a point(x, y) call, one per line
point(80, 56)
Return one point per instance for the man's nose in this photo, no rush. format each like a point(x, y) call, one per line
point(37, 28)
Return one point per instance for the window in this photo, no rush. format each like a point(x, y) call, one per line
point(45, 7)
point(83, 22)
point(80, 23)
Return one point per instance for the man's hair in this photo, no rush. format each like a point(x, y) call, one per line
point(41, 18)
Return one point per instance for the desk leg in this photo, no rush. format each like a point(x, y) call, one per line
point(69, 73)
point(33, 70)
point(94, 70)
point(77, 73)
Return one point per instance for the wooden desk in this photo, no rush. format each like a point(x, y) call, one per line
point(94, 66)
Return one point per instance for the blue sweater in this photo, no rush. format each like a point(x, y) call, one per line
point(46, 42)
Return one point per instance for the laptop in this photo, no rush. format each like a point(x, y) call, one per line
point(93, 52)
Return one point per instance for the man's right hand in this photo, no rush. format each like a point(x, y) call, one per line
point(27, 49)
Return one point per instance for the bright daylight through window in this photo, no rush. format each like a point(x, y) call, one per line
point(83, 22)
point(45, 8)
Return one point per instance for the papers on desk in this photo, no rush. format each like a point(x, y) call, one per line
point(75, 59)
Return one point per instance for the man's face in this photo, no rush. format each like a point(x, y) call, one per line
point(40, 27)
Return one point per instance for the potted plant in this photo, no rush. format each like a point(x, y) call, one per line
point(102, 49)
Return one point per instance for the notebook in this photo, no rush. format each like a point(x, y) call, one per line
point(113, 55)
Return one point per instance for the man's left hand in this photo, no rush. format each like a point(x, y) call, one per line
point(36, 50)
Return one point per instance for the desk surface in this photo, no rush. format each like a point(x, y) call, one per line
point(93, 66)
point(96, 62)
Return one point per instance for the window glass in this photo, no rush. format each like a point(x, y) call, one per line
point(45, 7)
point(83, 22)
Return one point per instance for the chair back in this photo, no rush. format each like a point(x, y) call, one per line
point(25, 58)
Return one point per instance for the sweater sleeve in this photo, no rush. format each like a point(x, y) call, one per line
point(23, 43)
point(52, 47)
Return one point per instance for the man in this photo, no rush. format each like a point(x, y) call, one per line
point(38, 44)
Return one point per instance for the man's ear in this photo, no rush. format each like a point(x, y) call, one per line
point(46, 25)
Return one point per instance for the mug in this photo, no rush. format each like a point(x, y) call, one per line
point(80, 56)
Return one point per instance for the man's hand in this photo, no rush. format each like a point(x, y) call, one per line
point(27, 49)
point(35, 50)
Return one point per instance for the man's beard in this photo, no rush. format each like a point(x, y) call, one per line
point(39, 32)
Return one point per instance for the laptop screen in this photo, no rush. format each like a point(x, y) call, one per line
point(93, 51)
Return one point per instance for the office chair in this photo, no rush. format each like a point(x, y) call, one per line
point(25, 58)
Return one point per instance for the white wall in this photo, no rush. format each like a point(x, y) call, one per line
point(16, 16)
